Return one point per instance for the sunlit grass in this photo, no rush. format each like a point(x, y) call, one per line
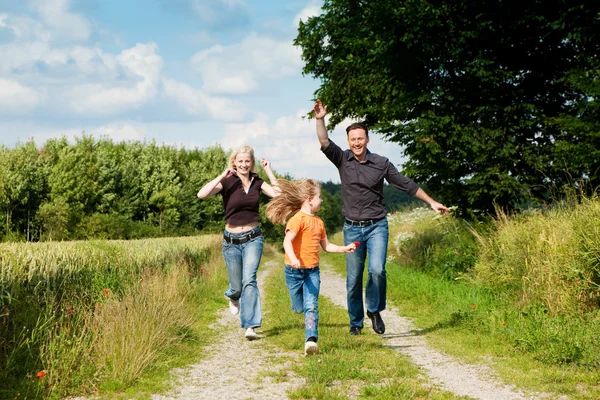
point(104, 315)
point(346, 366)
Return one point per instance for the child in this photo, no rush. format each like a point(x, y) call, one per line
point(304, 233)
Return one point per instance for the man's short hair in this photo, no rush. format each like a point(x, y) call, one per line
point(357, 125)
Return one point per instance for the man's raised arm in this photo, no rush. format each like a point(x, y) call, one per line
point(319, 111)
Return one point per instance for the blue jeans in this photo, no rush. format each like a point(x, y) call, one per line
point(242, 264)
point(304, 285)
point(374, 242)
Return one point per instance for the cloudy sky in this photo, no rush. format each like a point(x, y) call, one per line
point(190, 73)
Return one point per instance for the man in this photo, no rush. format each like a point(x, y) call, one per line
point(362, 174)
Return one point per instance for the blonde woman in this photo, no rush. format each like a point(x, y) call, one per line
point(304, 234)
point(242, 242)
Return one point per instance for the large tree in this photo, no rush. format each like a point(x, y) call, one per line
point(492, 101)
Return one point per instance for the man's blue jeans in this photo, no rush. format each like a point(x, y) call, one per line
point(374, 242)
point(303, 285)
point(242, 263)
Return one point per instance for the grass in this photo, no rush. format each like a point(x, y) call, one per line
point(346, 366)
point(105, 317)
point(434, 278)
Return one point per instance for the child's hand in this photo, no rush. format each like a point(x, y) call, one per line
point(294, 262)
point(351, 247)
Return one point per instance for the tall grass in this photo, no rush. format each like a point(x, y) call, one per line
point(531, 281)
point(550, 259)
point(75, 316)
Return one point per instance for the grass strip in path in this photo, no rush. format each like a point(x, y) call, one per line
point(346, 366)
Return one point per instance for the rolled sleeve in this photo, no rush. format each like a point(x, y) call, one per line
point(334, 153)
point(400, 181)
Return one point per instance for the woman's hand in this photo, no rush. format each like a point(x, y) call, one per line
point(228, 172)
point(266, 164)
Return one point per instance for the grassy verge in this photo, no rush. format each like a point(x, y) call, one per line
point(346, 366)
point(105, 318)
point(435, 277)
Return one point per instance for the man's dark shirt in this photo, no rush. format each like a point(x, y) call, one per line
point(362, 183)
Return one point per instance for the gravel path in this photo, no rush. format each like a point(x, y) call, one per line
point(465, 380)
point(237, 368)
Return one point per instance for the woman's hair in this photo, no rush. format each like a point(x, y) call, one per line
point(292, 196)
point(242, 150)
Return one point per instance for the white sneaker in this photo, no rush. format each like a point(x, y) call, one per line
point(250, 334)
point(234, 306)
point(310, 348)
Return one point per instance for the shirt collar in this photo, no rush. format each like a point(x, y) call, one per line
point(350, 156)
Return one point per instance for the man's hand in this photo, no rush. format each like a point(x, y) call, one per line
point(439, 207)
point(319, 110)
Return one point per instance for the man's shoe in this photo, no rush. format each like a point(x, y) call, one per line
point(377, 322)
point(310, 348)
point(234, 306)
point(355, 330)
point(250, 334)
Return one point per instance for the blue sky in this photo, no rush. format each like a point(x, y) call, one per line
point(191, 73)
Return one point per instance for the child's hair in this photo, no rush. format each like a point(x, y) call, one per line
point(240, 150)
point(293, 194)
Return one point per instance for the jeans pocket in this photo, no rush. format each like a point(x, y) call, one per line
point(225, 244)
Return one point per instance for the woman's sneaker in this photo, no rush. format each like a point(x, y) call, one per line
point(250, 334)
point(234, 306)
point(310, 348)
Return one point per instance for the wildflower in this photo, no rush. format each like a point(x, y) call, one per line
point(208, 274)
point(201, 269)
point(71, 311)
point(40, 374)
point(473, 306)
point(357, 244)
point(577, 282)
point(503, 323)
point(105, 292)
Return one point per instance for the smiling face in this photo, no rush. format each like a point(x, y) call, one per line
point(243, 163)
point(357, 141)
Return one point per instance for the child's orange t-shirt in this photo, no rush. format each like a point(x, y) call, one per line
point(309, 230)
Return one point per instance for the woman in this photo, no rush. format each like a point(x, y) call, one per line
point(243, 242)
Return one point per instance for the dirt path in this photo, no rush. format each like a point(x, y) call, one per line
point(476, 381)
point(237, 368)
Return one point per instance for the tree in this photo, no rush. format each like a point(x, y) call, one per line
point(492, 101)
point(21, 181)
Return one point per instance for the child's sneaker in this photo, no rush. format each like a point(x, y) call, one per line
point(250, 334)
point(234, 306)
point(310, 348)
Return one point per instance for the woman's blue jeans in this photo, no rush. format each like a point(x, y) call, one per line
point(242, 263)
point(373, 242)
point(303, 285)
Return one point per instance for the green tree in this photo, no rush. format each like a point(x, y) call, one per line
point(54, 219)
point(74, 177)
point(492, 101)
point(21, 182)
point(160, 184)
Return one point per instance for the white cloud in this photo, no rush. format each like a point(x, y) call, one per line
point(218, 13)
point(240, 68)
point(312, 9)
point(121, 132)
point(142, 64)
point(16, 97)
point(197, 102)
point(63, 23)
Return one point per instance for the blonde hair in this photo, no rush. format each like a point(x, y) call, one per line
point(242, 150)
point(293, 194)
